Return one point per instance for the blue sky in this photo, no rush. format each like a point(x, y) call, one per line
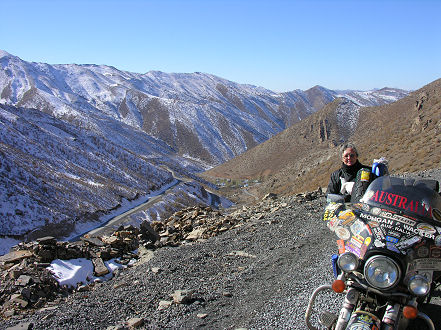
point(278, 44)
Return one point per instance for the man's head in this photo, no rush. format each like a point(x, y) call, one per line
point(349, 154)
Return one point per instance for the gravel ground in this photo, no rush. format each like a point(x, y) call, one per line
point(257, 276)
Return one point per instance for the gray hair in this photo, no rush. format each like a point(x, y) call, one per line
point(346, 146)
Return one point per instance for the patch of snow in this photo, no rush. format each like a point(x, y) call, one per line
point(74, 271)
point(347, 115)
point(69, 175)
point(92, 183)
point(7, 115)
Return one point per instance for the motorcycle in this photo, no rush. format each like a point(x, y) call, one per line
point(389, 256)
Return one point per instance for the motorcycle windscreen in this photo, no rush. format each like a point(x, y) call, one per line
point(405, 196)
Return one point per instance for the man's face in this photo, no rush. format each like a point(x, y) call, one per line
point(349, 157)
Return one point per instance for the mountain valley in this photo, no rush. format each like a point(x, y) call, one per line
point(78, 142)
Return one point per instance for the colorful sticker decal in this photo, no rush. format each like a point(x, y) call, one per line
point(356, 241)
point(331, 211)
point(365, 175)
point(376, 211)
point(438, 240)
point(367, 241)
point(342, 233)
point(349, 246)
point(364, 321)
point(409, 230)
point(341, 246)
point(422, 252)
point(378, 243)
point(392, 247)
point(346, 216)
point(407, 242)
point(365, 207)
point(426, 229)
point(399, 218)
point(435, 252)
point(378, 233)
point(333, 223)
point(357, 227)
point(391, 239)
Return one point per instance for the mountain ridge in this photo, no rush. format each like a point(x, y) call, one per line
point(82, 139)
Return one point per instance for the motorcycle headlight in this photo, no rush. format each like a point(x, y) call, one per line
point(347, 262)
point(382, 272)
point(419, 285)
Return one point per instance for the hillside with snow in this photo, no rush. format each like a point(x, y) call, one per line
point(199, 115)
point(78, 140)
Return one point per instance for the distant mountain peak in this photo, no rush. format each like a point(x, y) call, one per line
point(4, 53)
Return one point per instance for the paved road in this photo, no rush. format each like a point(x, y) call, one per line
point(110, 226)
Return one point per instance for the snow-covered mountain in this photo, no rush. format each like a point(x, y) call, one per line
point(198, 115)
point(76, 140)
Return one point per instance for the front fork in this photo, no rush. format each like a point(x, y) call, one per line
point(349, 303)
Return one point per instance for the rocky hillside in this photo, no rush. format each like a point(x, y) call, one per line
point(301, 158)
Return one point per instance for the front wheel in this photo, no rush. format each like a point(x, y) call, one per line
point(361, 320)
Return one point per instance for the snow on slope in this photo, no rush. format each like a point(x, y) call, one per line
point(224, 118)
point(51, 171)
point(373, 98)
point(347, 117)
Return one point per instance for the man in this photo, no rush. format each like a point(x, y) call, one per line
point(342, 180)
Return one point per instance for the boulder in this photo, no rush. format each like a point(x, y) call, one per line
point(99, 268)
point(148, 233)
point(182, 296)
point(135, 322)
point(15, 256)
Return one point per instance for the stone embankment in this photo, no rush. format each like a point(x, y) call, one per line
point(27, 285)
point(26, 282)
